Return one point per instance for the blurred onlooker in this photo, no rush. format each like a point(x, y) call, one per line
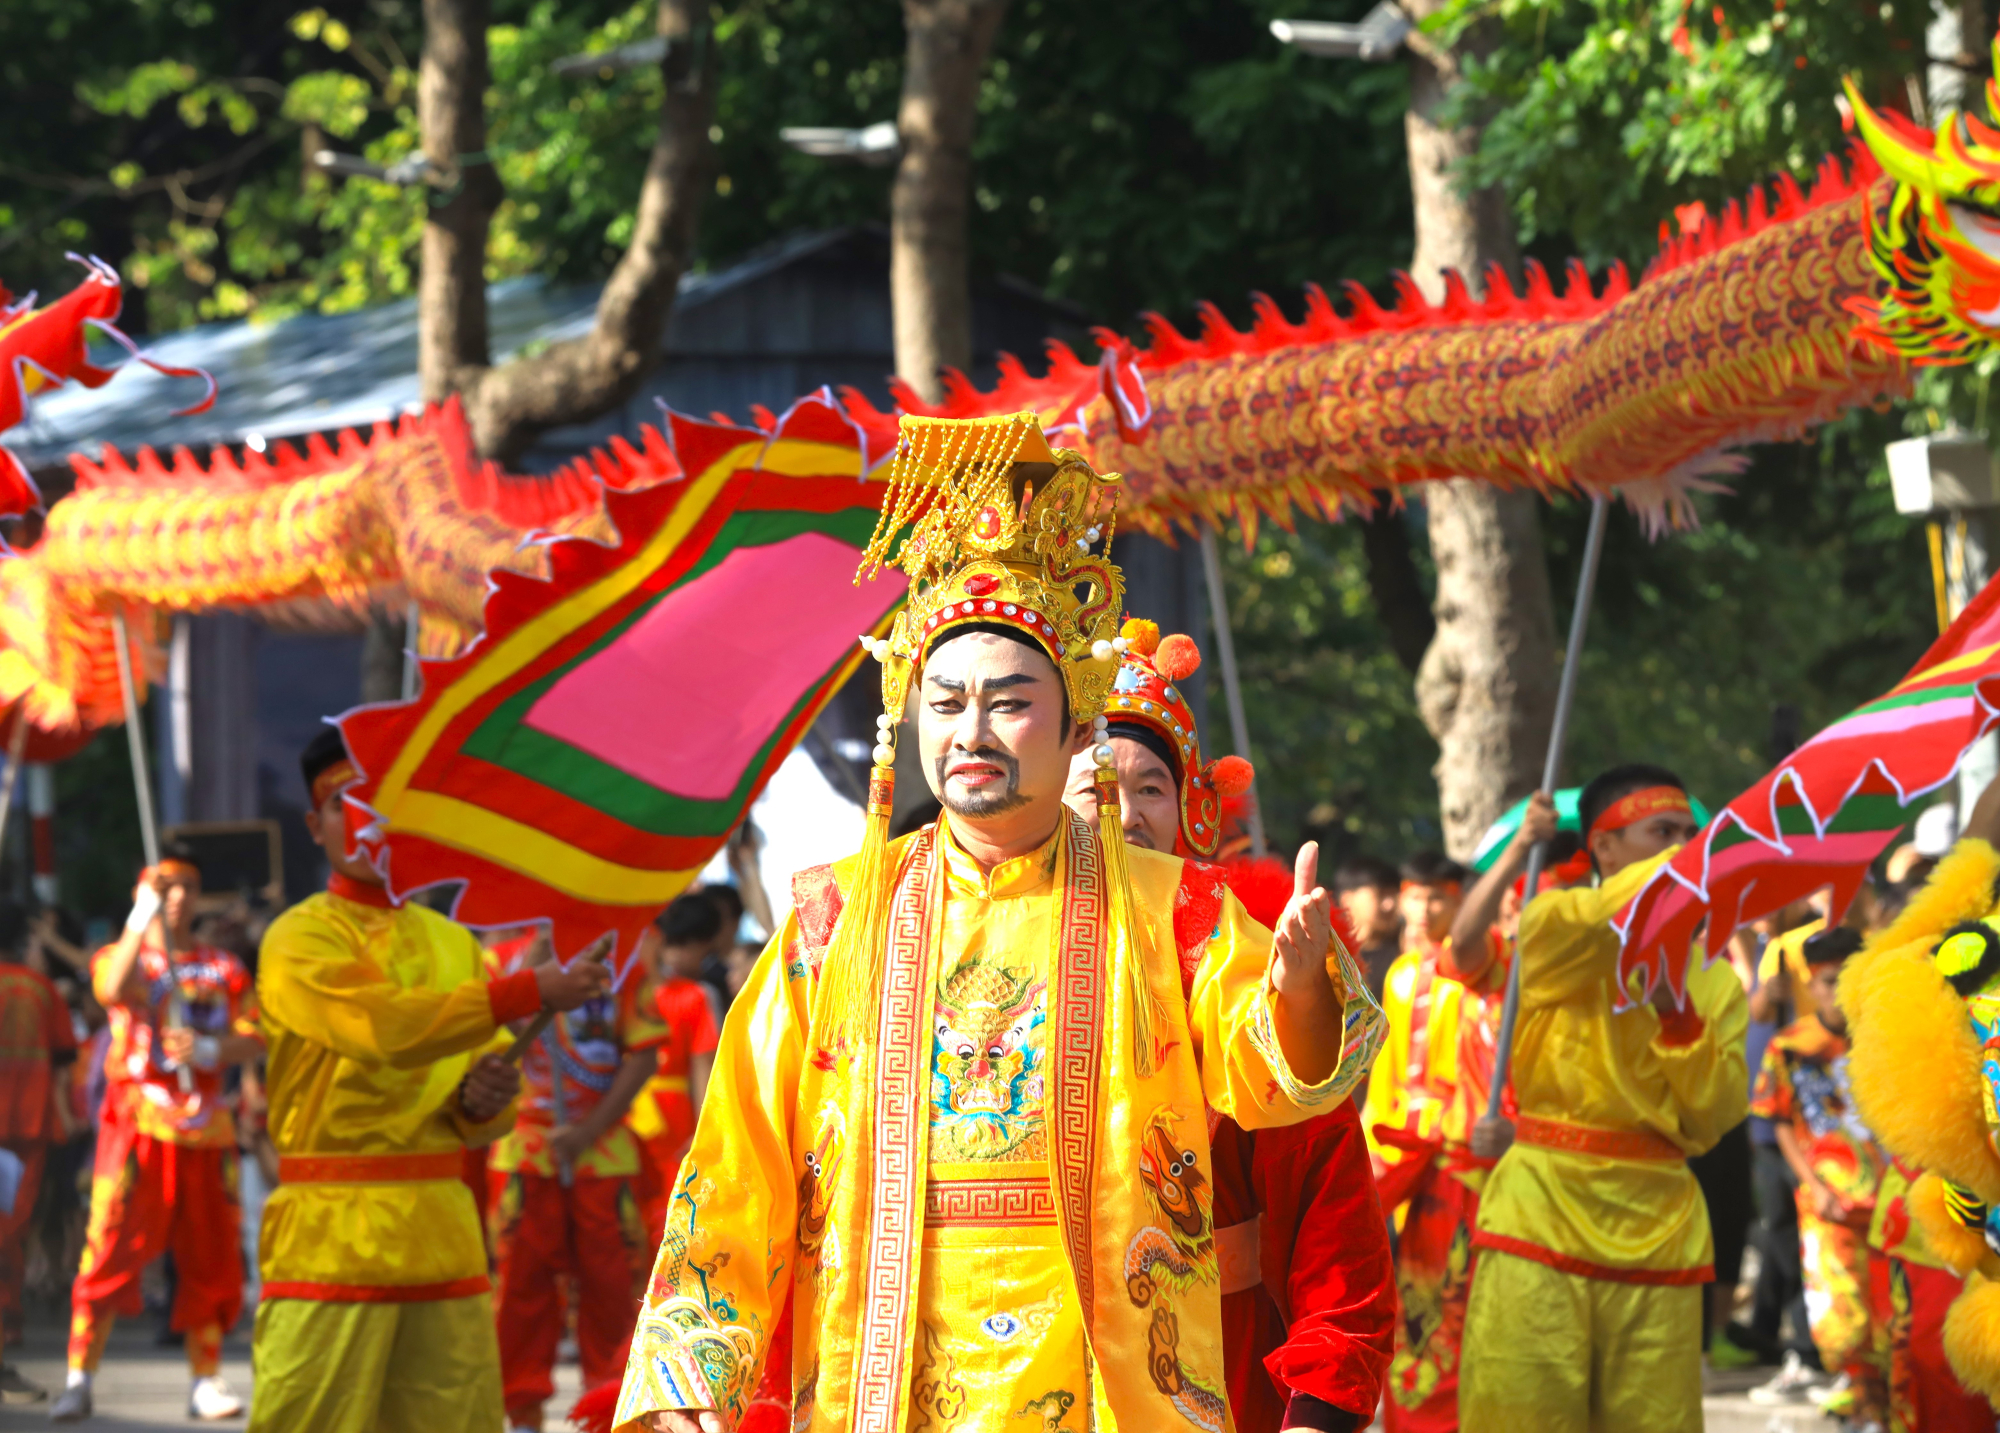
point(674, 948)
point(36, 1042)
point(1432, 886)
point(1803, 1090)
point(714, 971)
point(1368, 888)
point(740, 962)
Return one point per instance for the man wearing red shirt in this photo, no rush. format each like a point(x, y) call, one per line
point(166, 1145)
point(36, 1042)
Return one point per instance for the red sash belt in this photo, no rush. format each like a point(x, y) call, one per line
point(1608, 1143)
point(368, 1168)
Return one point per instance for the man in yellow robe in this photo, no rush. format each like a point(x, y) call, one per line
point(956, 1121)
point(1594, 1241)
point(382, 1026)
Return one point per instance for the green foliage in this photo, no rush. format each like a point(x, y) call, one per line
point(1342, 755)
point(1604, 115)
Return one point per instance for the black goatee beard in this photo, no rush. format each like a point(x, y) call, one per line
point(983, 803)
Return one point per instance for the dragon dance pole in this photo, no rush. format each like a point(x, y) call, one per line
point(1232, 689)
point(149, 830)
point(1579, 620)
point(17, 742)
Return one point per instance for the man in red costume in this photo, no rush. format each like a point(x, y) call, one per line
point(1308, 1288)
point(166, 1146)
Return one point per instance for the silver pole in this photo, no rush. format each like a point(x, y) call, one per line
point(1586, 586)
point(1232, 689)
point(16, 744)
point(149, 829)
point(142, 778)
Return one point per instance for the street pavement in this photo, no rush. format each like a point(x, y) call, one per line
point(143, 1388)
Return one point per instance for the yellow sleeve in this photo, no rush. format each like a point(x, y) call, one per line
point(313, 979)
point(1566, 940)
point(1244, 1072)
point(727, 1259)
point(1710, 1075)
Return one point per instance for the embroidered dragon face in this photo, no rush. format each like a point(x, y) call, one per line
point(987, 1018)
point(1172, 1174)
point(1936, 248)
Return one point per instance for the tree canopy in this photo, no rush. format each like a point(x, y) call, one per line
point(1131, 155)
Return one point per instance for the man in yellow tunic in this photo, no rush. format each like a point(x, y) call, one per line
point(382, 1026)
point(1594, 1241)
point(956, 1120)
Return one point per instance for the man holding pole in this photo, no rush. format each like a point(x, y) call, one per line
point(165, 1179)
point(1594, 1239)
point(384, 1067)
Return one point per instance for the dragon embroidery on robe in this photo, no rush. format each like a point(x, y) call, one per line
point(1169, 1257)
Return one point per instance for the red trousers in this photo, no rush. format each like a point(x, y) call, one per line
point(589, 1232)
point(13, 1231)
point(1434, 1266)
point(148, 1197)
point(1910, 1301)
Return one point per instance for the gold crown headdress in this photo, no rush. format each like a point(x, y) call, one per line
point(1002, 529)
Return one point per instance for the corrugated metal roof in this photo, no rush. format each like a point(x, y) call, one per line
point(317, 372)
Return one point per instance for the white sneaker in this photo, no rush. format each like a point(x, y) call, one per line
point(1794, 1383)
point(1821, 1397)
point(212, 1398)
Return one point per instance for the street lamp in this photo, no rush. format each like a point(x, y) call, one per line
point(1379, 35)
point(875, 145)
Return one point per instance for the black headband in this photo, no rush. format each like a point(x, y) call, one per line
point(1152, 740)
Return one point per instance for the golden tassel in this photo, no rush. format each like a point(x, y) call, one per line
point(1124, 932)
point(851, 981)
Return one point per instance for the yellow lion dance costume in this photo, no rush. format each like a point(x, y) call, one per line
point(1923, 1001)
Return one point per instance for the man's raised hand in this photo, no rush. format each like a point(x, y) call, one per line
point(564, 987)
point(1304, 934)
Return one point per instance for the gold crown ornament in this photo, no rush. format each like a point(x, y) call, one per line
point(1002, 530)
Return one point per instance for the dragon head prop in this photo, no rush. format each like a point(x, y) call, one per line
point(1923, 1004)
point(1936, 245)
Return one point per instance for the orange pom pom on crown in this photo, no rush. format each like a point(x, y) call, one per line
point(1141, 636)
point(1178, 658)
point(1232, 775)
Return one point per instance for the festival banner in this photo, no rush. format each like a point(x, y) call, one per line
point(1823, 815)
point(584, 759)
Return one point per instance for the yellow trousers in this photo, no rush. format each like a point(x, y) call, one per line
point(1549, 1352)
point(429, 1367)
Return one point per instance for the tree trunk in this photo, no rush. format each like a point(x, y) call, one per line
point(930, 282)
point(1486, 687)
point(451, 112)
point(581, 378)
point(1396, 588)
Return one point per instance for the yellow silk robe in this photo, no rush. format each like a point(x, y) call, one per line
point(1580, 1062)
point(373, 1016)
point(1003, 1226)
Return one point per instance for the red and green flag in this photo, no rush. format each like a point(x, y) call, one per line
point(1827, 811)
point(584, 759)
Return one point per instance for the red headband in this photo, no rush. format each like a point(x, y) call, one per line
point(334, 778)
point(1639, 805)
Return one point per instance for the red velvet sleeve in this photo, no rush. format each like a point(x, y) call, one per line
point(1326, 1244)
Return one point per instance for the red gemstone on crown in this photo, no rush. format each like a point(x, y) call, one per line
point(981, 583)
point(986, 526)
